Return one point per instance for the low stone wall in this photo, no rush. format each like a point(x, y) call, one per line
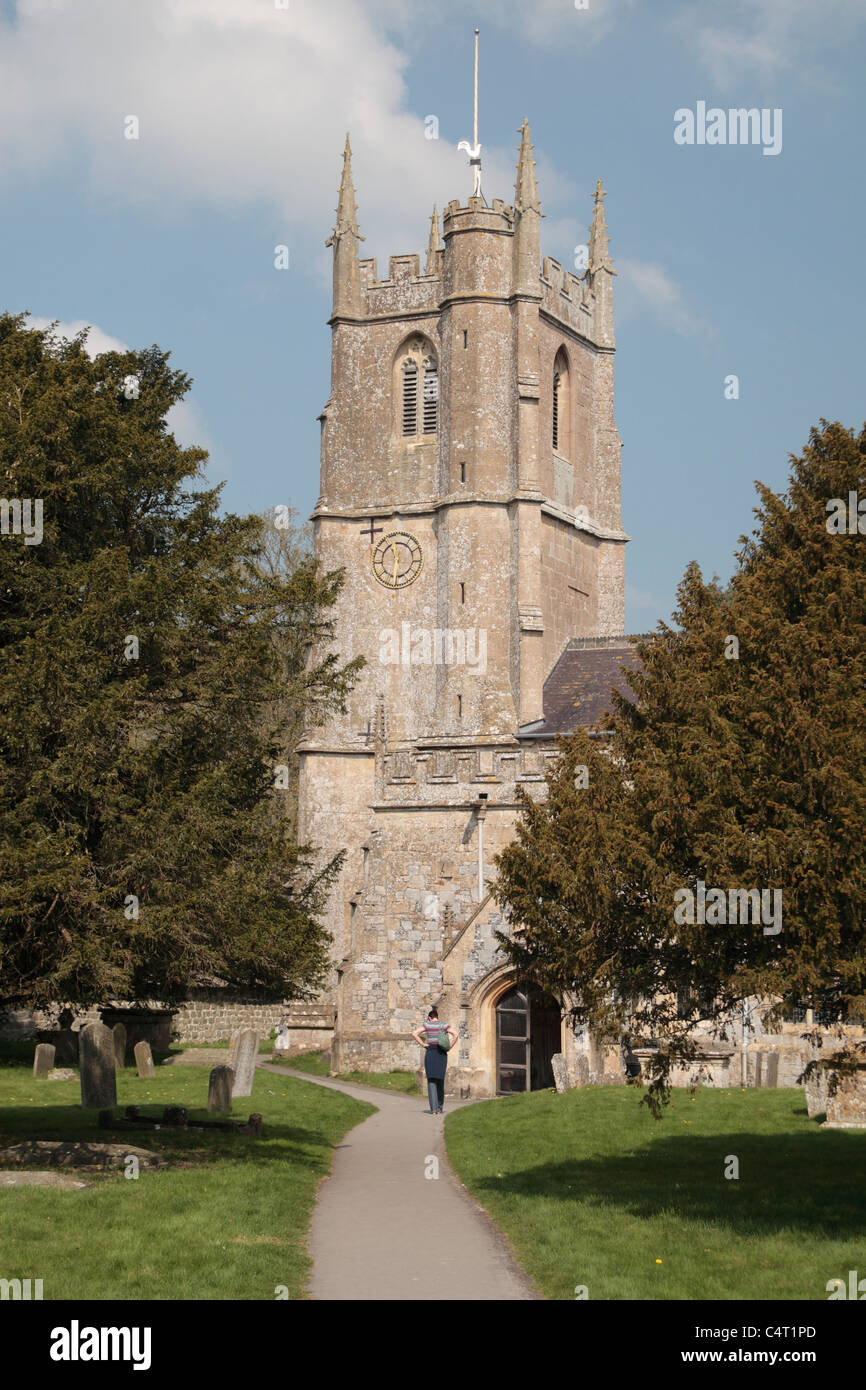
point(207, 1017)
point(210, 1018)
point(374, 1052)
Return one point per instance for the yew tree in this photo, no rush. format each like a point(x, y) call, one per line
point(740, 764)
point(152, 662)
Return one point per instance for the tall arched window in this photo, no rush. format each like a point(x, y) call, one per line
point(561, 401)
point(418, 383)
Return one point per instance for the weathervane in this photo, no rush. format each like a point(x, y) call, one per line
point(474, 150)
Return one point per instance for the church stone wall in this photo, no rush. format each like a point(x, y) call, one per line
point(505, 555)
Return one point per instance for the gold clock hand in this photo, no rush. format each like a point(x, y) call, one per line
point(395, 566)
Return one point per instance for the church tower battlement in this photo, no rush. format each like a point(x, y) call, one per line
point(470, 489)
point(471, 410)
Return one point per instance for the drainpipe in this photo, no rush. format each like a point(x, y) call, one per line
point(480, 814)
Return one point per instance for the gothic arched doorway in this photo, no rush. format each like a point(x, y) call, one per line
point(528, 1033)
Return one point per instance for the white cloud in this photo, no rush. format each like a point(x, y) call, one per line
point(239, 104)
point(765, 38)
point(96, 342)
point(185, 419)
point(647, 285)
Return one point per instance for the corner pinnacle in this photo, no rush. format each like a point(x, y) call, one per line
point(599, 251)
point(526, 188)
point(347, 212)
point(435, 244)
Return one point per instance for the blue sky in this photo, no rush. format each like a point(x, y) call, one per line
point(730, 261)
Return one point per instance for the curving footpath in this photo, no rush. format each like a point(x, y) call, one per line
point(381, 1230)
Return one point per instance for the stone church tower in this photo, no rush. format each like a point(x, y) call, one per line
point(470, 488)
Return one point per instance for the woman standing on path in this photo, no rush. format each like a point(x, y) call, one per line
point(435, 1057)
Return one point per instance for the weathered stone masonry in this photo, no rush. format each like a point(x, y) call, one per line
point(510, 504)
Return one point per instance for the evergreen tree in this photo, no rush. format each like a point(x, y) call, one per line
point(151, 666)
point(741, 765)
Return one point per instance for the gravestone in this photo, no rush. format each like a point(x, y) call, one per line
point(245, 1062)
point(233, 1047)
point(560, 1072)
point(97, 1064)
point(759, 1057)
point(43, 1060)
point(816, 1092)
point(143, 1059)
point(846, 1108)
point(771, 1077)
point(219, 1091)
point(118, 1032)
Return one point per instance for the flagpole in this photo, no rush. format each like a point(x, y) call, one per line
point(475, 130)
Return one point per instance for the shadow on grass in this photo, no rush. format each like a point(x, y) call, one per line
point(278, 1143)
point(797, 1181)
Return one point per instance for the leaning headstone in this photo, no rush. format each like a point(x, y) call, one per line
point(245, 1062)
point(233, 1047)
point(560, 1071)
point(119, 1035)
point(219, 1091)
point(816, 1092)
point(143, 1059)
point(97, 1066)
point(846, 1108)
point(43, 1060)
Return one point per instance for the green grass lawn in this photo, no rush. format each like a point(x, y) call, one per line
point(592, 1191)
point(228, 1219)
point(313, 1063)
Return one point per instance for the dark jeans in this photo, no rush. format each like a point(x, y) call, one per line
point(436, 1092)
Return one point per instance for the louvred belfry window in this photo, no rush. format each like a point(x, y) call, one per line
point(561, 406)
point(431, 396)
point(410, 397)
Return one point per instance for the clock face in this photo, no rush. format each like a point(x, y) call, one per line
point(397, 560)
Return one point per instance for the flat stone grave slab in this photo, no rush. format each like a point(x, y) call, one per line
point(69, 1153)
point(41, 1178)
point(175, 1117)
point(195, 1057)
